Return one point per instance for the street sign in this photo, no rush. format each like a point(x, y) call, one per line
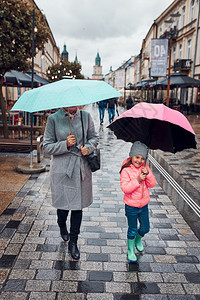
point(159, 53)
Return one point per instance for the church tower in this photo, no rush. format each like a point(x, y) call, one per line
point(76, 59)
point(97, 68)
point(64, 54)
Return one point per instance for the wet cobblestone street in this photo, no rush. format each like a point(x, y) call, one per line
point(35, 263)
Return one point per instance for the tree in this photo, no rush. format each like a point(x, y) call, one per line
point(64, 68)
point(16, 21)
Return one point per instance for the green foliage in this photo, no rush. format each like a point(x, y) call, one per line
point(65, 68)
point(16, 19)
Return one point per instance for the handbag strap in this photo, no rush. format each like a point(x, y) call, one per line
point(82, 127)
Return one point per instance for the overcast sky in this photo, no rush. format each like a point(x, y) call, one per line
point(115, 28)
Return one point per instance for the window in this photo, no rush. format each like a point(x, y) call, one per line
point(180, 51)
point(174, 54)
point(177, 21)
point(160, 31)
point(183, 16)
point(192, 10)
point(189, 45)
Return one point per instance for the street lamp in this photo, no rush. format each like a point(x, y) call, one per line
point(170, 35)
point(34, 29)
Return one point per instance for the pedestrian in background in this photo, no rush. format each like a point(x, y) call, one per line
point(70, 174)
point(135, 179)
point(112, 103)
point(129, 102)
point(102, 106)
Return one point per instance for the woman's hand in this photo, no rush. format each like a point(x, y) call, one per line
point(71, 140)
point(84, 150)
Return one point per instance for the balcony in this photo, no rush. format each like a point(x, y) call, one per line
point(182, 65)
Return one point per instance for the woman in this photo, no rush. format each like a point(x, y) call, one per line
point(70, 175)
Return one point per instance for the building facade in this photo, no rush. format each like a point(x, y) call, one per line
point(180, 24)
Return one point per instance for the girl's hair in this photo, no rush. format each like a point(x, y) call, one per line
point(127, 164)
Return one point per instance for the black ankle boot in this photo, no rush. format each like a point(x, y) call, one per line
point(73, 249)
point(64, 234)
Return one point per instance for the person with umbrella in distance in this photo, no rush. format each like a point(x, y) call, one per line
point(129, 102)
point(111, 108)
point(70, 175)
point(102, 106)
point(135, 179)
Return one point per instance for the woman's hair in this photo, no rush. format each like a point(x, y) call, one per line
point(127, 164)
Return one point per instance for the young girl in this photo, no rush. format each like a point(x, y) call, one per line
point(135, 179)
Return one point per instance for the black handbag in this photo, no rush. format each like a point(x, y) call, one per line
point(93, 158)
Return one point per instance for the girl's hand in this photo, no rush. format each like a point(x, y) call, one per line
point(84, 150)
point(141, 177)
point(145, 171)
point(71, 140)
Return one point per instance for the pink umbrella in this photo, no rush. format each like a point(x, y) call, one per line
point(156, 125)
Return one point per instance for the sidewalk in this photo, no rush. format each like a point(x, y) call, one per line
point(35, 264)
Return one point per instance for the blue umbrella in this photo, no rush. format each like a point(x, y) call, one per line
point(65, 93)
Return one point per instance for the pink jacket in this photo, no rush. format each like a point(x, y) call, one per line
point(136, 194)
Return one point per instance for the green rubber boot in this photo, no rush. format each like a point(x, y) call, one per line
point(131, 250)
point(138, 243)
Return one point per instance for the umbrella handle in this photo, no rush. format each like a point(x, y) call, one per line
point(70, 129)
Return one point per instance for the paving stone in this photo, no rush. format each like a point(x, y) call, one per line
point(100, 276)
point(74, 275)
point(153, 297)
point(70, 296)
point(180, 267)
point(139, 267)
point(174, 277)
point(22, 263)
point(48, 274)
point(91, 266)
point(38, 264)
point(47, 248)
point(67, 265)
point(171, 288)
point(166, 268)
point(155, 250)
point(42, 295)
point(7, 261)
point(186, 259)
point(64, 286)
point(126, 297)
point(3, 275)
point(15, 285)
point(182, 297)
point(101, 296)
point(13, 224)
point(14, 295)
point(97, 257)
point(149, 277)
point(96, 242)
point(145, 288)
point(192, 277)
point(117, 287)
point(38, 285)
point(7, 233)
point(22, 274)
point(125, 277)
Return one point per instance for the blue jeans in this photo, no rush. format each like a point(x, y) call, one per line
point(101, 113)
point(135, 214)
point(111, 113)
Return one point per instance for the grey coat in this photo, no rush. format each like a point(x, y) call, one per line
point(70, 175)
